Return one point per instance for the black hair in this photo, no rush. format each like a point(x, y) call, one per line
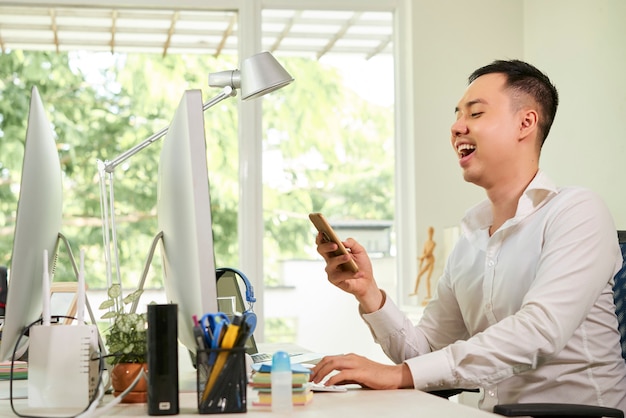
point(525, 78)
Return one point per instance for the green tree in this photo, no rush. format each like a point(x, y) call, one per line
point(337, 156)
point(336, 150)
point(67, 99)
point(134, 97)
point(156, 86)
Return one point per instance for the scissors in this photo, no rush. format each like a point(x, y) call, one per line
point(213, 326)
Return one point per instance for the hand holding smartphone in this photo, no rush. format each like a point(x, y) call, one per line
point(329, 235)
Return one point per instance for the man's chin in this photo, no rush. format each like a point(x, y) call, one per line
point(470, 177)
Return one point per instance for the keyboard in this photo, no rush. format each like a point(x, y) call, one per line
point(261, 357)
point(306, 357)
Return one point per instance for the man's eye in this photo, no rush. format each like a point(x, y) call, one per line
point(476, 114)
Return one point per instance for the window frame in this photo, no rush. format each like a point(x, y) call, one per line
point(250, 217)
point(251, 182)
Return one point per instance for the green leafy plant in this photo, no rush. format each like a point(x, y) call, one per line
point(126, 339)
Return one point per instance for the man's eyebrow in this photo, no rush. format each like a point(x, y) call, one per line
point(471, 103)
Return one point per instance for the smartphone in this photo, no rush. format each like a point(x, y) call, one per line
point(329, 235)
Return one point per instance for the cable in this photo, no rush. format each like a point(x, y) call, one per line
point(95, 399)
point(93, 405)
point(97, 412)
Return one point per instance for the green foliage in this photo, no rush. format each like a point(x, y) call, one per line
point(337, 154)
point(133, 97)
point(67, 98)
point(325, 149)
point(281, 330)
point(126, 339)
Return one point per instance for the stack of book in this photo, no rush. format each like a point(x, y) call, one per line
point(261, 382)
point(20, 370)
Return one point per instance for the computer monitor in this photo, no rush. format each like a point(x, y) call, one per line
point(184, 217)
point(37, 227)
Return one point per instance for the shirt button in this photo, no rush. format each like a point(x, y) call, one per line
point(491, 263)
point(491, 393)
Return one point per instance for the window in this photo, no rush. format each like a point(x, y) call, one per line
point(329, 142)
point(328, 146)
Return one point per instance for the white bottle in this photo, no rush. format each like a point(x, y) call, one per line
point(281, 383)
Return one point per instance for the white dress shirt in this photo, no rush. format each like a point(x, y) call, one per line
point(526, 314)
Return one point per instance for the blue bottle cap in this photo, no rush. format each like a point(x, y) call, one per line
point(281, 362)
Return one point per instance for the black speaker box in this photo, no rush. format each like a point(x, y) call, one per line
point(163, 360)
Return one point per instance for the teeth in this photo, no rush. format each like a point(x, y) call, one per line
point(463, 147)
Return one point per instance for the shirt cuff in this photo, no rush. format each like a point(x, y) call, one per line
point(432, 371)
point(385, 321)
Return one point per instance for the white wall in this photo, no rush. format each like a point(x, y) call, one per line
point(580, 44)
point(451, 39)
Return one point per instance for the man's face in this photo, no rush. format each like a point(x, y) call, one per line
point(486, 131)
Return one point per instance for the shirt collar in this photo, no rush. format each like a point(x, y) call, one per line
point(537, 193)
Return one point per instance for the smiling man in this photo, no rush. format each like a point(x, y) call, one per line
point(524, 308)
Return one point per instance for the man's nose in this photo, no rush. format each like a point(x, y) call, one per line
point(459, 127)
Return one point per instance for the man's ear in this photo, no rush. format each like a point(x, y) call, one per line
point(528, 122)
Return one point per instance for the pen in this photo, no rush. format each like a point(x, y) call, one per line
point(198, 334)
point(202, 356)
point(248, 324)
point(228, 342)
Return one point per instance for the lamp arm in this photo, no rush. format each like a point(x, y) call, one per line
point(109, 166)
point(146, 269)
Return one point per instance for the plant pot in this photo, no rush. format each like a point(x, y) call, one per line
point(123, 375)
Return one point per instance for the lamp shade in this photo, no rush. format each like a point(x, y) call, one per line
point(260, 74)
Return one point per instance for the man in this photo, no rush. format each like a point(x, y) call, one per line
point(524, 308)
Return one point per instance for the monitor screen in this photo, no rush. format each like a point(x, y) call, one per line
point(37, 226)
point(184, 217)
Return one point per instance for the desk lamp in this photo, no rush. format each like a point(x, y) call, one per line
point(259, 74)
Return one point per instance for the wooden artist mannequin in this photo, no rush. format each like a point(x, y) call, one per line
point(426, 264)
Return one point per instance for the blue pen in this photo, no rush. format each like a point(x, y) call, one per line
point(214, 325)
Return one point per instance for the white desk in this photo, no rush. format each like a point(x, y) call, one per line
point(360, 403)
point(353, 403)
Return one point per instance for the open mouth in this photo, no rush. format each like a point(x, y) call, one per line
point(465, 149)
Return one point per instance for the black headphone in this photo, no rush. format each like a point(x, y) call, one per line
point(249, 289)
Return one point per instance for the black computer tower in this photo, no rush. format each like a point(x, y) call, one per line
point(163, 360)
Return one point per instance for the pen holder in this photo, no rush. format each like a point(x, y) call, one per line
point(222, 380)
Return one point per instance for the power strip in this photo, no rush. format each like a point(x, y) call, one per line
point(62, 369)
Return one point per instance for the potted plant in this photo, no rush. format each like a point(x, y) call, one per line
point(126, 342)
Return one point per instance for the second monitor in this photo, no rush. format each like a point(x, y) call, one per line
point(184, 217)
